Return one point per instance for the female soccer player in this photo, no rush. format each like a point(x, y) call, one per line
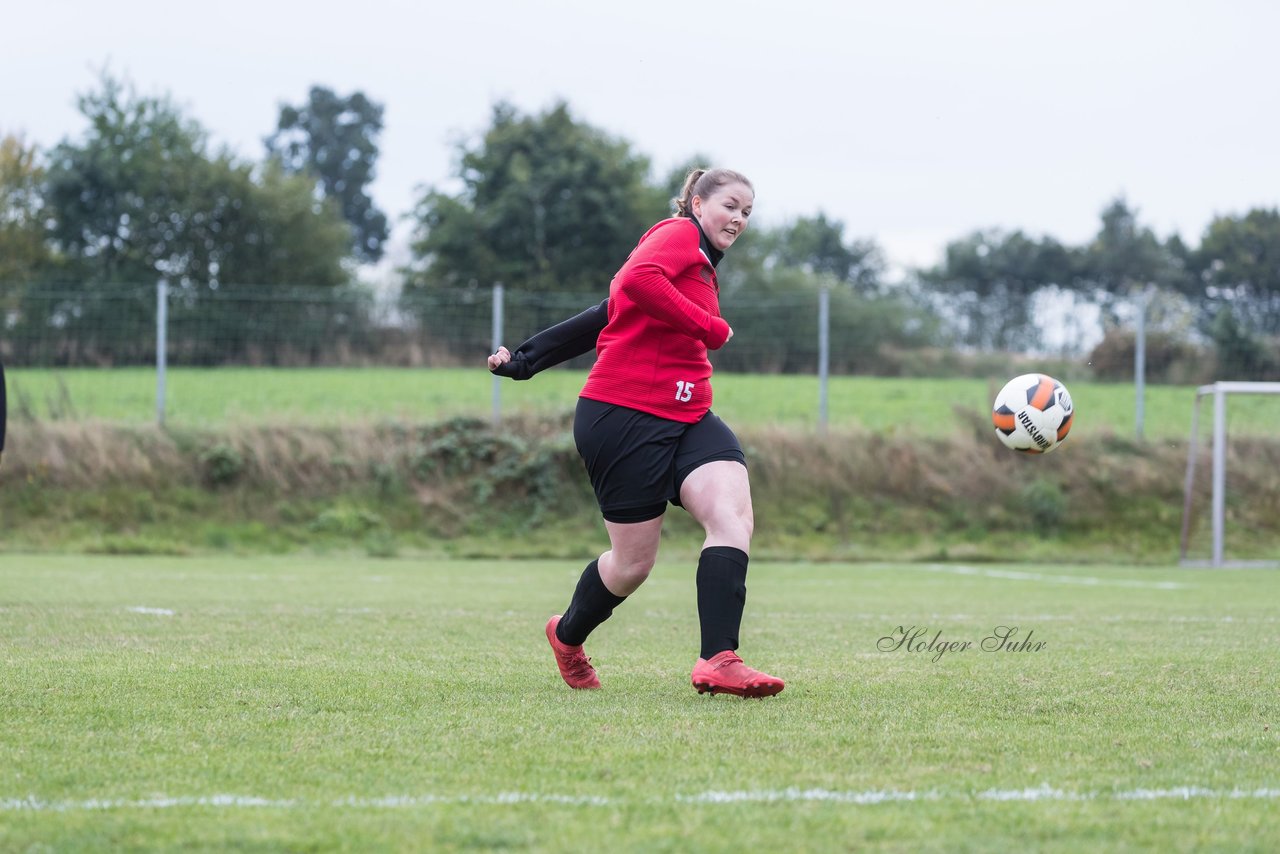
point(645, 431)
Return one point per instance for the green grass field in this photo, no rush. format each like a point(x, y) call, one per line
point(323, 395)
point(310, 704)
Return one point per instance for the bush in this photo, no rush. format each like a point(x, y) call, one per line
point(1169, 360)
point(222, 465)
point(1243, 355)
point(936, 362)
point(1045, 504)
point(347, 521)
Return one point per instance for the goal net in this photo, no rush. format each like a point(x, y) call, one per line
point(1218, 465)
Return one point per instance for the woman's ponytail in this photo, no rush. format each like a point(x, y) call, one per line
point(684, 202)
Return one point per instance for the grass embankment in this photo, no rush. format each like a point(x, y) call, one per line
point(462, 488)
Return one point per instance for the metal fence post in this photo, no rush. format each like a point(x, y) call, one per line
point(162, 356)
point(1219, 471)
point(824, 356)
point(1190, 479)
point(497, 342)
point(1140, 362)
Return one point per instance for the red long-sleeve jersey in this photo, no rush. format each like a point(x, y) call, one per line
point(664, 314)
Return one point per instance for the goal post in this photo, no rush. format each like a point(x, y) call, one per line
point(1218, 391)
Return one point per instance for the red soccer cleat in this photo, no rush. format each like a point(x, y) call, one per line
point(575, 667)
point(725, 673)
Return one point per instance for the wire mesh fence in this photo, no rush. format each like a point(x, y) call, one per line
point(121, 327)
point(300, 327)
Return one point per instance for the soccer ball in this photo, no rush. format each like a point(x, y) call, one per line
point(1033, 414)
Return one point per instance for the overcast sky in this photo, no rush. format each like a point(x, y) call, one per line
point(914, 123)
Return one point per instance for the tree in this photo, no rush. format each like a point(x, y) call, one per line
point(1242, 354)
point(140, 198)
point(549, 207)
point(770, 298)
point(1123, 252)
point(271, 301)
point(24, 253)
point(279, 234)
point(335, 140)
point(1126, 258)
point(121, 200)
point(1237, 265)
point(1235, 283)
point(990, 280)
point(547, 204)
point(818, 245)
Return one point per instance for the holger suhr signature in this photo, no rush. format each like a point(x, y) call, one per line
point(917, 639)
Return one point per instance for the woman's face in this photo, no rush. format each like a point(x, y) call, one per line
point(724, 213)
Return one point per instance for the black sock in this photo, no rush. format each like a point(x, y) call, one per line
point(592, 604)
point(722, 592)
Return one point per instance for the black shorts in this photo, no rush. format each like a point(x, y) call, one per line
point(637, 462)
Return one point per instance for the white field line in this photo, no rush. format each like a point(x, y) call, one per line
point(1186, 793)
point(870, 797)
point(142, 609)
point(39, 805)
point(400, 801)
point(873, 796)
point(1043, 792)
point(1018, 575)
